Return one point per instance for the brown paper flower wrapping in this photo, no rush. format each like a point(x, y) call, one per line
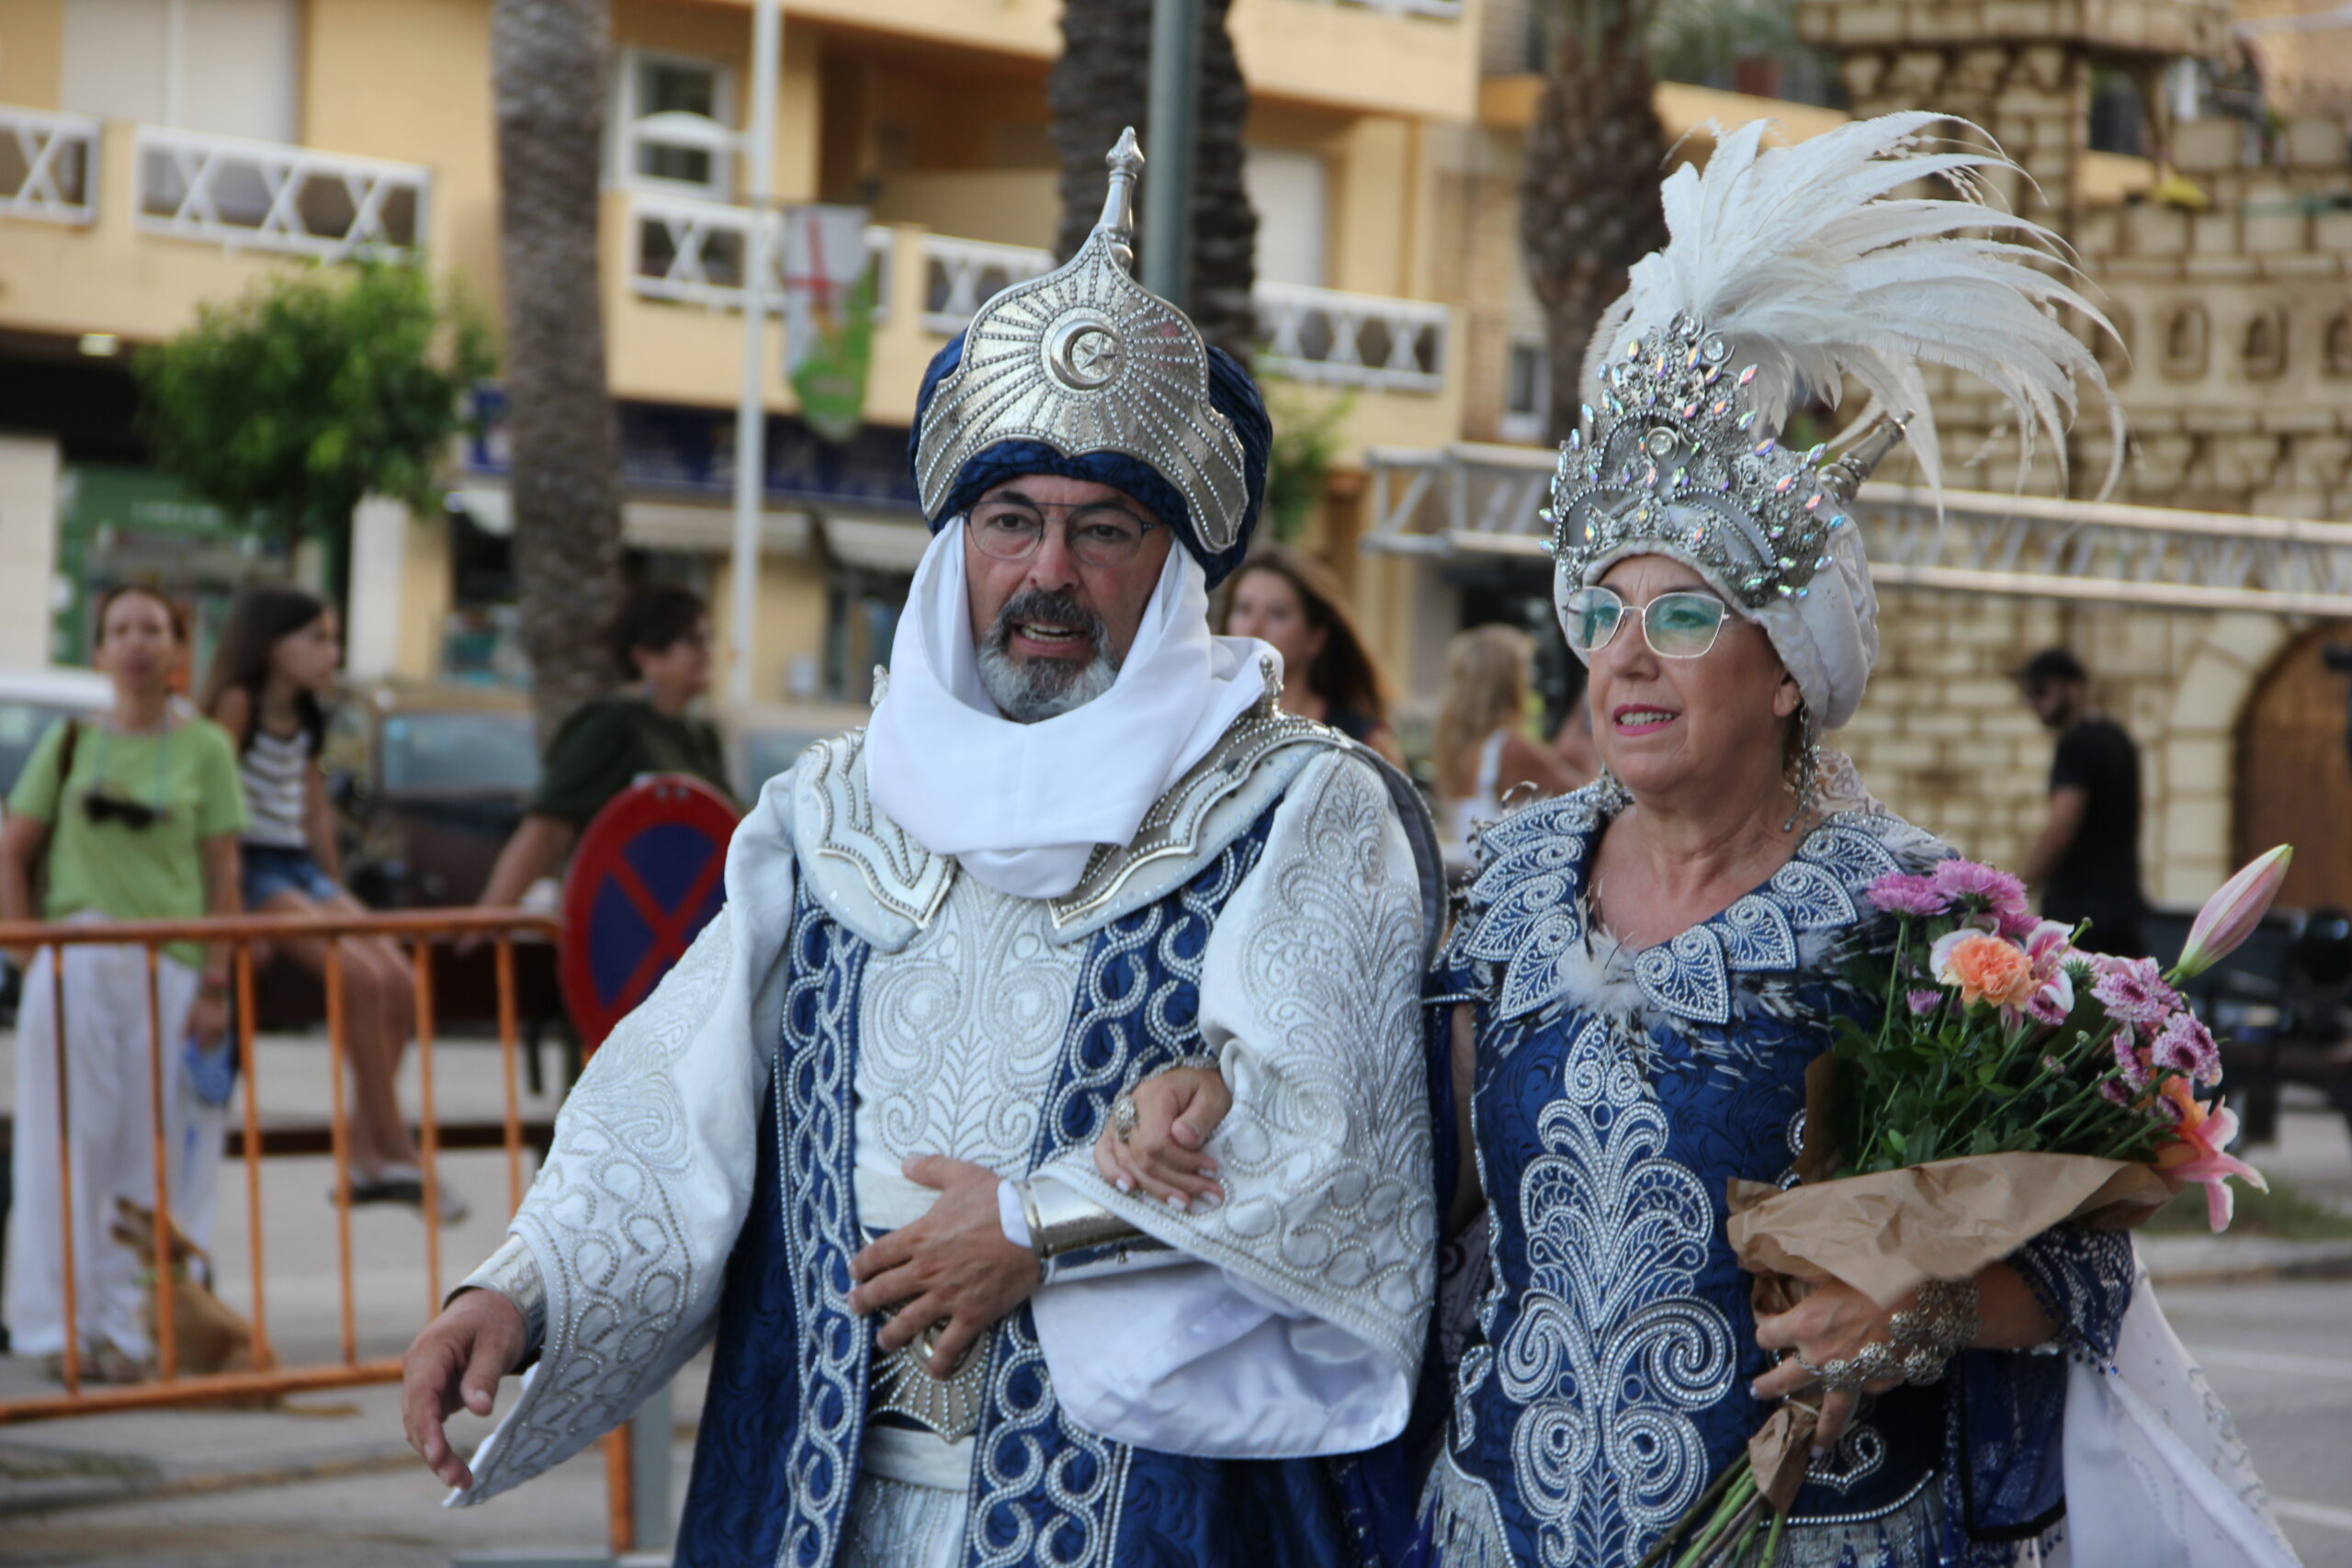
point(1887, 1233)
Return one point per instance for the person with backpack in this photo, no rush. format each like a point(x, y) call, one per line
point(275, 666)
point(129, 815)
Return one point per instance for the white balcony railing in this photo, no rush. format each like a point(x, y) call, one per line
point(693, 253)
point(49, 165)
point(230, 191)
point(961, 276)
point(1355, 340)
point(1473, 499)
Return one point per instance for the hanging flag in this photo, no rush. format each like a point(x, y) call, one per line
point(828, 316)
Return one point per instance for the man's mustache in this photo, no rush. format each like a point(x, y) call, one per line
point(1046, 607)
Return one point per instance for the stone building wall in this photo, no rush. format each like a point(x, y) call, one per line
point(2235, 374)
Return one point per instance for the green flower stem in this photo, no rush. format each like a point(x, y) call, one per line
point(1727, 1519)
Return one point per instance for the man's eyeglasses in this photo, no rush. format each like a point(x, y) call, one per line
point(136, 814)
point(1100, 533)
point(1679, 626)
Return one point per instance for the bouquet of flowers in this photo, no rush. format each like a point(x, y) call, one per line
point(2010, 1082)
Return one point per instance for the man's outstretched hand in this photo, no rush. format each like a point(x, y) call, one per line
point(457, 1360)
point(953, 1266)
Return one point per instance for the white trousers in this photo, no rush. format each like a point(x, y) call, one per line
point(911, 1501)
point(112, 1141)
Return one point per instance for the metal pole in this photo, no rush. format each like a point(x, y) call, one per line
point(751, 412)
point(1168, 189)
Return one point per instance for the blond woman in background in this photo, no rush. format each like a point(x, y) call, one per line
point(1482, 748)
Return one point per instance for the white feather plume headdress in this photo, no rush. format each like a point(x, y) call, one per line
point(1799, 257)
point(1788, 269)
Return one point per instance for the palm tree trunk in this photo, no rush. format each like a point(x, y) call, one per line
point(1099, 86)
point(549, 63)
point(1589, 194)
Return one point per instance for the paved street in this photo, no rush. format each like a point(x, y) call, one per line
point(336, 1484)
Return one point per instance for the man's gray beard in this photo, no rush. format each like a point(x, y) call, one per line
point(1029, 690)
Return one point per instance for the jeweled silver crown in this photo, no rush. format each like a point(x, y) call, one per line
point(1674, 457)
point(1085, 359)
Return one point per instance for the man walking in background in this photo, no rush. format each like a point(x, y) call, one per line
point(2086, 861)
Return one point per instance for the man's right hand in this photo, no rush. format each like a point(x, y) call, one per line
point(457, 1360)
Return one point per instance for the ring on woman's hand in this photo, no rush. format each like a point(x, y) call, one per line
point(1122, 1117)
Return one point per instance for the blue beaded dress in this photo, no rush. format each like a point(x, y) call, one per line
point(1604, 1382)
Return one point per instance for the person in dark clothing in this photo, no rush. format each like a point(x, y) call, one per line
point(2086, 861)
point(660, 641)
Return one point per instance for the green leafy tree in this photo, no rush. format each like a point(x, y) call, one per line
point(316, 389)
point(1307, 432)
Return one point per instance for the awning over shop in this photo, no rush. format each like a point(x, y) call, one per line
point(1474, 500)
point(652, 525)
point(876, 541)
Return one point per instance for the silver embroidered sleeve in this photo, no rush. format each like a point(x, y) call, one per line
point(510, 1272)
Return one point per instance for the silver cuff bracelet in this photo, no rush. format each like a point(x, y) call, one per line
point(1061, 1221)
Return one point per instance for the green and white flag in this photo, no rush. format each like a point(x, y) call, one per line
point(828, 316)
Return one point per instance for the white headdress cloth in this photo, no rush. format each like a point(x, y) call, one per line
point(1023, 806)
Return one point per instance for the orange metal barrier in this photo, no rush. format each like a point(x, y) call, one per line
point(419, 931)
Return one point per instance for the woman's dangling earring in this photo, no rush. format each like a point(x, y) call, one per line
point(1805, 772)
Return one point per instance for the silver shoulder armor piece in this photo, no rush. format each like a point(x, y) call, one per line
point(1245, 772)
point(866, 869)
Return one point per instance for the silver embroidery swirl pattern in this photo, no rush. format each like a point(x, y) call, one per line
point(820, 1231)
point(1328, 967)
point(621, 1148)
point(1023, 1500)
point(960, 1033)
point(841, 823)
point(1613, 1347)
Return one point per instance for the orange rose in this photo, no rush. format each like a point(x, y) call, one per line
point(1989, 969)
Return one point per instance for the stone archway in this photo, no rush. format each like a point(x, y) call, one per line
point(2294, 779)
point(2196, 785)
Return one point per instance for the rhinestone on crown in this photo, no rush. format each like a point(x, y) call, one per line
point(1675, 457)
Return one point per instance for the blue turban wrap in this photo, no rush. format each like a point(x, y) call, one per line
point(1231, 391)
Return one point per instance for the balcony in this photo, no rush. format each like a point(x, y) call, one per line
point(48, 165)
point(116, 227)
point(686, 253)
point(227, 191)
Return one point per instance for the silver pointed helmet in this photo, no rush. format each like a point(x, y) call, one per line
point(1085, 360)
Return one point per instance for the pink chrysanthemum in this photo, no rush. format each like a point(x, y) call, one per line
point(1988, 888)
point(2133, 990)
point(2114, 1092)
point(2049, 1006)
point(2185, 1045)
point(1900, 895)
point(2132, 1059)
point(1924, 1002)
point(2017, 924)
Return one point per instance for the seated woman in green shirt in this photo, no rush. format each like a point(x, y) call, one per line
point(660, 641)
point(129, 815)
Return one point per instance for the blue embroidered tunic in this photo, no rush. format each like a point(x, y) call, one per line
point(1615, 1093)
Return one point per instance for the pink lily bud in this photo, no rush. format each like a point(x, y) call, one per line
point(2230, 916)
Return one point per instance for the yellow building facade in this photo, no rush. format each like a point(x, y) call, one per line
point(159, 154)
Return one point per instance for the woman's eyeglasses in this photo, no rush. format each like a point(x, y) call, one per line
point(1100, 535)
point(1679, 626)
point(136, 814)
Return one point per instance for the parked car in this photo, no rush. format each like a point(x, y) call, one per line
point(429, 782)
point(765, 738)
point(33, 700)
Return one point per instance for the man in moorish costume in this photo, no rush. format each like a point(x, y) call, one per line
point(849, 1136)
